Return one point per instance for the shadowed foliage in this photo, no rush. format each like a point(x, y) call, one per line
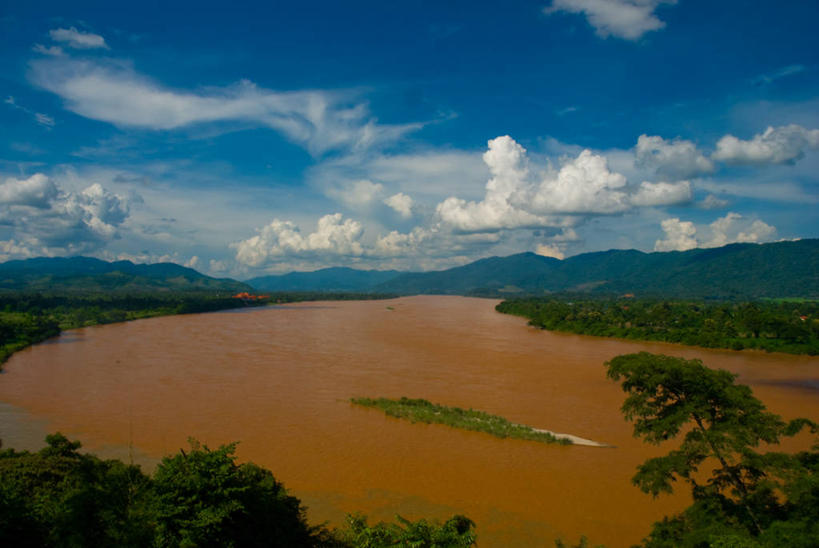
point(748, 497)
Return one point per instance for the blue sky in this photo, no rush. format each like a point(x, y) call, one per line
point(272, 136)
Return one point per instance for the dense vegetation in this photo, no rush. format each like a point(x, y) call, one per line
point(779, 326)
point(743, 497)
point(19, 330)
point(419, 410)
point(201, 497)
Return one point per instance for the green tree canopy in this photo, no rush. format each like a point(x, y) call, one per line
point(761, 497)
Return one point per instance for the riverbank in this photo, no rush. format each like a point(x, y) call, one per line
point(790, 327)
point(30, 318)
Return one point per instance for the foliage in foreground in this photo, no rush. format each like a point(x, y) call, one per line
point(201, 497)
point(420, 410)
point(751, 498)
point(456, 532)
point(790, 326)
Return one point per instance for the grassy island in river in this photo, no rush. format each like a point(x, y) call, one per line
point(419, 410)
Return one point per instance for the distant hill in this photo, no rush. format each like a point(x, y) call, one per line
point(85, 274)
point(326, 279)
point(741, 271)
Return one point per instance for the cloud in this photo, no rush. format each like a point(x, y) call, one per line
point(43, 119)
point(12, 249)
point(36, 191)
point(662, 194)
point(582, 185)
point(54, 51)
point(627, 19)
point(113, 92)
point(515, 199)
point(217, 267)
point(780, 145)
point(774, 190)
point(283, 238)
point(763, 79)
point(712, 202)
point(77, 39)
point(435, 242)
point(403, 244)
point(356, 194)
point(401, 203)
point(733, 228)
point(550, 250)
point(676, 159)
point(508, 166)
point(679, 236)
point(58, 222)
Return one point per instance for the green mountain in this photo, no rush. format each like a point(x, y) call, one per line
point(326, 279)
point(85, 274)
point(740, 271)
point(736, 271)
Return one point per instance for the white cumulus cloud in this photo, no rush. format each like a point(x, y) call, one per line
point(550, 250)
point(675, 159)
point(776, 145)
point(519, 196)
point(679, 236)
point(582, 185)
point(41, 215)
point(507, 164)
point(333, 235)
point(401, 204)
point(732, 228)
point(628, 19)
point(36, 191)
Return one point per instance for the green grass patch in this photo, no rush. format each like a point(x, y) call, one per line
point(419, 410)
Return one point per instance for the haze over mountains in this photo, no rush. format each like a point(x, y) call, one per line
point(736, 271)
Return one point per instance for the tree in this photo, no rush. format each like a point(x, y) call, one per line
point(60, 497)
point(206, 499)
point(724, 424)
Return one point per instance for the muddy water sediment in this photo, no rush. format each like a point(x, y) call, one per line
point(279, 380)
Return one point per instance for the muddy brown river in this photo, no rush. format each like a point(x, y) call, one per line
point(279, 379)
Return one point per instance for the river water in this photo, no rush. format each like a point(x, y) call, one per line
point(279, 381)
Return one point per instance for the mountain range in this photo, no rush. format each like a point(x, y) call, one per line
point(86, 274)
point(735, 271)
point(739, 271)
point(326, 279)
